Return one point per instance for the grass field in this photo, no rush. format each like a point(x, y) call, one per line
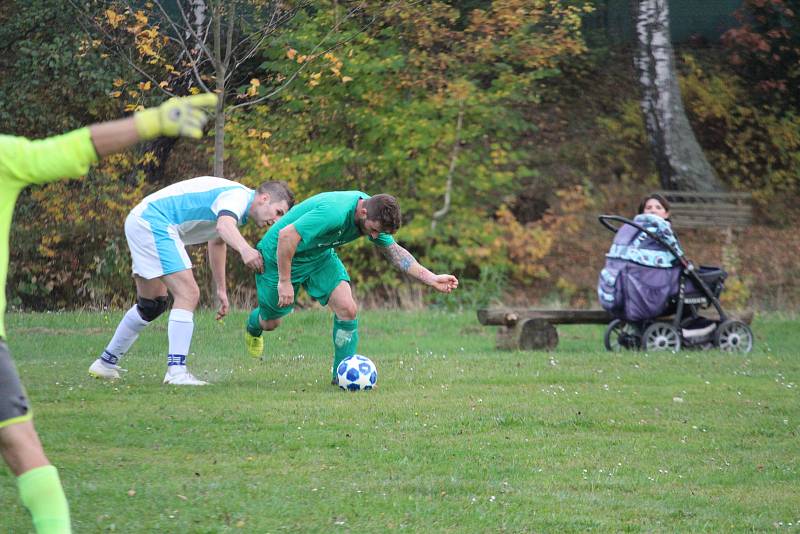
point(458, 437)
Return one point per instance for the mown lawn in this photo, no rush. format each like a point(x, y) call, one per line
point(458, 437)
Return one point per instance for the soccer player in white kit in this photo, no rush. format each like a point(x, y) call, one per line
point(205, 209)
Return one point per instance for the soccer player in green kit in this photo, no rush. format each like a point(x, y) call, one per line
point(299, 252)
point(22, 163)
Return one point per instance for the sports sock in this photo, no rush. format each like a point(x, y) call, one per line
point(41, 492)
point(345, 340)
point(254, 324)
point(126, 333)
point(179, 332)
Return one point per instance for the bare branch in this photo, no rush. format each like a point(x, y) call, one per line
point(439, 214)
point(188, 29)
point(200, 42)
point(229, 37)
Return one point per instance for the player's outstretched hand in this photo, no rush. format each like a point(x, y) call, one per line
point(253, 259)
point(223, 304)
point(177, 117)
point(285, 294)
point(444, 283)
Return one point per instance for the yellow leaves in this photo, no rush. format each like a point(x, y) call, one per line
point(346, 79)
point(119, 82)
point(265, 161)
point(145, 86)
point(148, 158)
point(46, 245)
point(253, 89)
point(114, 19)
point(314, 79)
point(133, 107)
point(293, 55)
point(194, 90)
point(140, 17)
point(115, 94)
point(253, 133)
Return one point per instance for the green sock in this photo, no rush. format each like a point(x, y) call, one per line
point(345, 340)
point(253, 323)
point(41, 492)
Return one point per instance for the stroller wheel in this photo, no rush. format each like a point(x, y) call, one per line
point(734, 336)
point(660, 337)
point(621, 335)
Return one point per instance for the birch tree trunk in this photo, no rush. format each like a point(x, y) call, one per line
point(680, 160)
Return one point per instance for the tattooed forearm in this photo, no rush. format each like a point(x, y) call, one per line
point(403, 260)
point(399, 257)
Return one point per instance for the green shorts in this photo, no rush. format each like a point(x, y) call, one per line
point(318, 278)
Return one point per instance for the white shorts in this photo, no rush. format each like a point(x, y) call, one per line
point(156, 248)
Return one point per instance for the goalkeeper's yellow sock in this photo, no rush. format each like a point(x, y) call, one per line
point(41, 492)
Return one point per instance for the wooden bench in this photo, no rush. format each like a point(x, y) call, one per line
point(690, 209)
point(532, 329)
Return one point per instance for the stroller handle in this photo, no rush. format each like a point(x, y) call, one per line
point(606, 220)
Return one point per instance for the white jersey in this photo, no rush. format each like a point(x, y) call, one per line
point(190, 208)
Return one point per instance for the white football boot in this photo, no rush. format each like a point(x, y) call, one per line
point(183, 378)
point(100, 369)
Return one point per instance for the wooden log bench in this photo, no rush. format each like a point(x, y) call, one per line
point(689, 209)
point(532, 329)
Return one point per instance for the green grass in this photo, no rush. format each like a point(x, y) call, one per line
point(458, 437)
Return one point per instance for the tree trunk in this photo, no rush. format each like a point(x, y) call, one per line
point(219, 124)
point(219, 132)
point(679, 159)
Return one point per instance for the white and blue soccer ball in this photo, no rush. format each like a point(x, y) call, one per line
point(357, 373)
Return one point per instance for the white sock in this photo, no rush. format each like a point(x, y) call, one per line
point(126, 333)
point(179, 331)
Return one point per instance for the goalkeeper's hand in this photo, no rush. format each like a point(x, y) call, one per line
point(177, 117)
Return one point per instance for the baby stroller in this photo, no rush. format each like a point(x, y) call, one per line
point(655, 294)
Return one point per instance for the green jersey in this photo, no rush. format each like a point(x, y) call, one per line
point(324, 222)
point(24, 162)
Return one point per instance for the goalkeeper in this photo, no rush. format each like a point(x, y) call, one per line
point(22, 163)
point(299, 252)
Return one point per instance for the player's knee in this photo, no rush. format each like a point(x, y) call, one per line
point(150, 309)
point(191, 296)
point(270, 324)
point(348, 312)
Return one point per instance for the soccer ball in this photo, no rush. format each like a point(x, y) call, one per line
point(357, 373)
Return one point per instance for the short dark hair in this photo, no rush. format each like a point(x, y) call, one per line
point(277, 190)
point(654, 196)
point(384, 209)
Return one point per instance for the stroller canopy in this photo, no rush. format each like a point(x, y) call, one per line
point(631, 244)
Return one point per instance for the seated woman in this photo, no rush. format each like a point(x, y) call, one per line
point(638, 247)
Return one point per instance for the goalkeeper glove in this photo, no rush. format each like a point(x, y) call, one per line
point(177, 117)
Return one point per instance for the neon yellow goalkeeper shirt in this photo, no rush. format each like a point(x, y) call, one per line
point(24, 162)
